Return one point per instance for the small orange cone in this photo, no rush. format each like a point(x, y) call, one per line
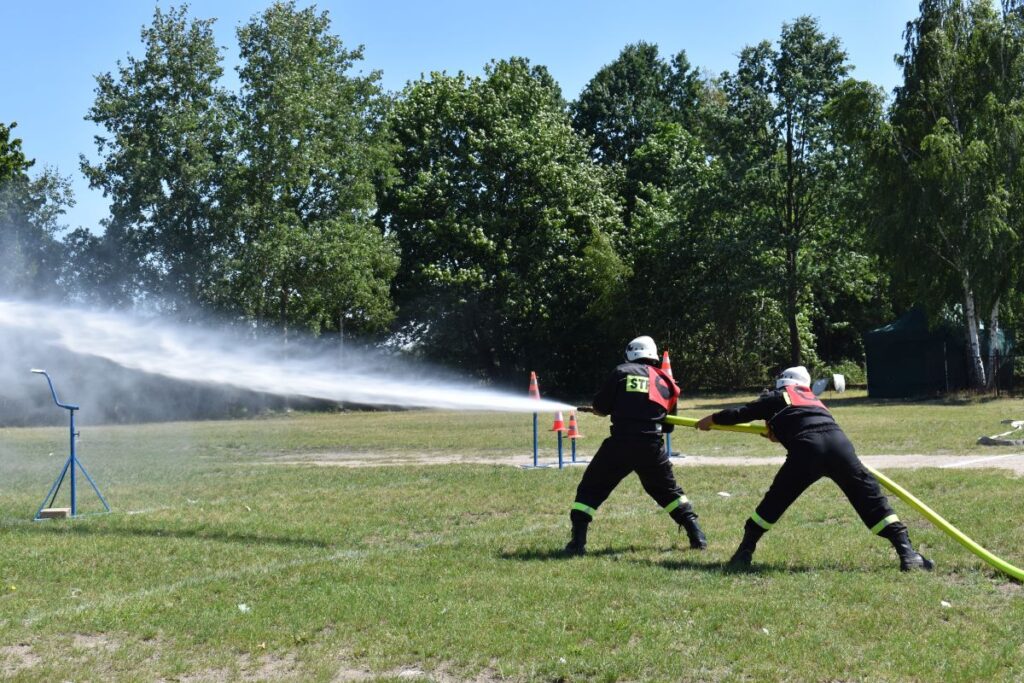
point(559, 425)
point(574, 431)
point(534, 389)
point(666, 364)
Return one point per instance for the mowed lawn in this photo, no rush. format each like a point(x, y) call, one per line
point(222, 562)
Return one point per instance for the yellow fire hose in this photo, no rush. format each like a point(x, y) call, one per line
point(951, 531)
point(692, 422)
point(904, 495)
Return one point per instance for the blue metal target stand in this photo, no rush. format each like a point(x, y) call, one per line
point(71, 465)
point(535, 394)
point(559, 429)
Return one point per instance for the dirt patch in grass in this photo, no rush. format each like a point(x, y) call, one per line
point(1008, 461)
point(95, 642)
point(207, 676)
point(346, 674)
point(266, 667)
point(17, 658)
point(441, 675)
point(1009, 589)
point(269, 667)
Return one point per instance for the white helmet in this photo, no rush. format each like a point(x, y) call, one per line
point(641, 347)
point(797, 375)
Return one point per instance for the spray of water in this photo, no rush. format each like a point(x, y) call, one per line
point(205, 355)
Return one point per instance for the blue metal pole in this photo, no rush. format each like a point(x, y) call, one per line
point(74, 464)
point(574, 450)
point(559, 450)
point(72, 461)
point(535, 439)
point(668, 444)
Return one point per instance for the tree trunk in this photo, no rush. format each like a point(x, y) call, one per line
point(975, 365)
point(792, 232)
point(341, 335)
point(791, 308)
point(993, 346)
point(282, 312)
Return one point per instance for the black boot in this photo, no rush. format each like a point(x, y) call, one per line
point(744, 554)
point(577, 545)
point(742, 558)
point(910, 559)
point(686, 518)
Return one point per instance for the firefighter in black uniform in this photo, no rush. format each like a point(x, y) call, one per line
point(815, 447)
point(637, 396)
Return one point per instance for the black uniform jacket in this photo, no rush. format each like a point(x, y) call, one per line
point(637, 396)
point(789, 411)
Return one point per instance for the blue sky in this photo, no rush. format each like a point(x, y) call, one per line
point(52, 51)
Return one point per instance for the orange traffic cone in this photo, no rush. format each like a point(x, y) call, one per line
point(574, 431)
point(534, 389)
point(666, 364)
point(559, 425)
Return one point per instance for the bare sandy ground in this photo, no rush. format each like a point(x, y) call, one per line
point(1005, 461)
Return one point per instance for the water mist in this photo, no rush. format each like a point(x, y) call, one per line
point(198, 354)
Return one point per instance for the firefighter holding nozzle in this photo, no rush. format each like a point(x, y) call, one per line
point(815, 447)
point(638, 396)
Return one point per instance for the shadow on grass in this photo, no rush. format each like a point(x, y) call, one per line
point(546, 554)
point(674, 564)
point(756, 569)
point(219, 536)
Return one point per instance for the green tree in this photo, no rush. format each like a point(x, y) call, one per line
point(671, 248)
point(13, 164)
point(783, 164)
point(851, 291)
point(626, 101)
point(696, 286)
point(504, 224)
point(94, 269)
point(30, 213)
point(164, 162)
point(312, 149)
point(950, 179)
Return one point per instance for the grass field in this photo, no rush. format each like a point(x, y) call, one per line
point(221, 563)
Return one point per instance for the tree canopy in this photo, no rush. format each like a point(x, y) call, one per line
point(311, 147)
point(164, 162)
point(31, 208)
point(503, 220)
point(948, 165)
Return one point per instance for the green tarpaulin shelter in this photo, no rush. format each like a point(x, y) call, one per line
point(906, 358)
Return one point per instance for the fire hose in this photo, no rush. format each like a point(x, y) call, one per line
point(901, 493)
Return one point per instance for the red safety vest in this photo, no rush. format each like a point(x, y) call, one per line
point(662, 388)
point(799, 395)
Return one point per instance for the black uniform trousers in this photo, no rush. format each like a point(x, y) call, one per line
point(825, 453)
point(617, 457)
